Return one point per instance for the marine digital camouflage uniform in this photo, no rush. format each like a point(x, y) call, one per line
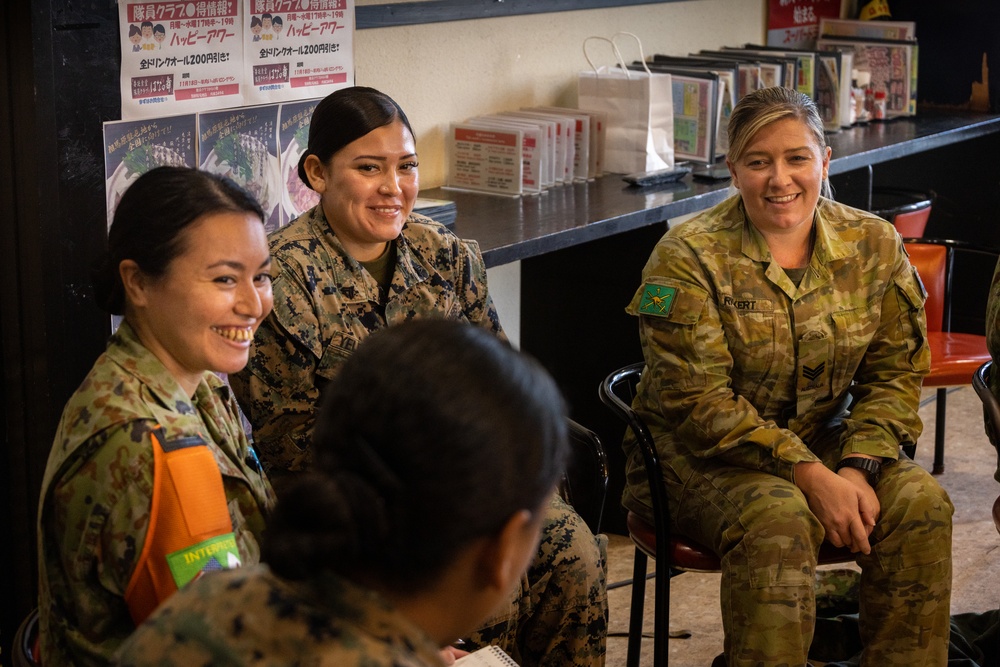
point(325, 304)
point(252, 617)
point(993, 343)
point(746, 375)
point(97, 492)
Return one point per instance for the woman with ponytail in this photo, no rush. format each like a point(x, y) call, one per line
point(436, 451)
point(151, 480)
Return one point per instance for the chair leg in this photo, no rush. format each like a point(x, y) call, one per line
point(939, 429)
point(636, 612)
point(661, 612)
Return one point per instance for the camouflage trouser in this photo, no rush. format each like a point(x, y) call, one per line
point(768, 540)
point(559, 615)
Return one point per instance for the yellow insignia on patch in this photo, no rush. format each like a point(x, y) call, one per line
point(656, 300)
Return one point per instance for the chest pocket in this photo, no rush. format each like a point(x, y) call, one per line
point(853, 332)
point(342, 345)
point(751, 335)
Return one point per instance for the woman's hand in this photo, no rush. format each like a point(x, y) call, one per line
point(449, 654)
point(844, 503)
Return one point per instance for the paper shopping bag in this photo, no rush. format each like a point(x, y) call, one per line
point(639, 108)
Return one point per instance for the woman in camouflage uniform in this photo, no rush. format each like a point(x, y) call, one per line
point(187, 266)
point(361, 261)
point(437, 447)
point(784, 340)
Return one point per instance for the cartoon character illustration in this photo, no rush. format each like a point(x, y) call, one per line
point(276, 26)
point(135, 36)
point(159, 34)
point(255, 26)
point(265, 21)
point(147, 35)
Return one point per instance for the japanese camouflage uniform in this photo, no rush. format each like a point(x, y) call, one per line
point(97, 492)
point(993, 343)
point(325, 304)
point(251, 616)
point(746, 375)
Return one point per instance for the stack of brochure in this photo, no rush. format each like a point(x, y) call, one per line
point(527, 151)
point(439, 210)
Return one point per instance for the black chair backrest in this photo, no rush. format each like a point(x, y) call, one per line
point(991, 406)
point(617, 392)
point(585, 484)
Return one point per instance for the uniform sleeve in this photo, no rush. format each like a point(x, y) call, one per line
point(477, 304)
point(687, 384)
point(279, 387)
point(886, 387)
point(97, 522)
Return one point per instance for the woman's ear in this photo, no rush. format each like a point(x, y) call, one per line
point(315, 172)
point(134, 281)
point(732, 175)
point(512, 550)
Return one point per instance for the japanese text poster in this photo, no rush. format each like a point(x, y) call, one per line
point(297, 49)
point(794, 24)
point(180, 56)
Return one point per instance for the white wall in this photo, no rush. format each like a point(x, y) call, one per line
point(443, 72)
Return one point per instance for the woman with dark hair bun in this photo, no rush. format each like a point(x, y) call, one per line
point(361, 261)
point(151, 480)
point(437, 448)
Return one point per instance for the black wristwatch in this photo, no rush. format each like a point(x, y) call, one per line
point(872, 467)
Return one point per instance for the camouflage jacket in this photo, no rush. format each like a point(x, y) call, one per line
point(746, 369)
point(97, 492)
point(325, 303)
point(252, 616)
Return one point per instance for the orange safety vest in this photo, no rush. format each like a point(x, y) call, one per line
point(190, 531)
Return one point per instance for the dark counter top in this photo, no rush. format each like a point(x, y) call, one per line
point(512, 229)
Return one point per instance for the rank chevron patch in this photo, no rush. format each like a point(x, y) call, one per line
point(814, 372)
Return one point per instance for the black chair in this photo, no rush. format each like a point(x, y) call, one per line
point(682, 554)
point(585, 484)
point(25, 647)
point(991, 418)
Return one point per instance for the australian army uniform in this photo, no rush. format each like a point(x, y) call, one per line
point(748, 373)
point(325, 304)
point(145, 489)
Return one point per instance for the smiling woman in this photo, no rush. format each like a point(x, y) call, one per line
point(152, 429)
point(361, 261)
point(780, 384)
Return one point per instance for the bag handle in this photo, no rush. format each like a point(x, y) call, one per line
point(642, 56)
point(618, 54)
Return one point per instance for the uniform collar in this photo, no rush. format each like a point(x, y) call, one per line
point(406, 273)
point(827, 247)
point(126, 350)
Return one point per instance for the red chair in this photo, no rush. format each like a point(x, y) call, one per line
point(954, 356)
point(683, 554)
point(907, 210)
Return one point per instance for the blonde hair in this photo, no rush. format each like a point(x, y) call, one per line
point(763, 107)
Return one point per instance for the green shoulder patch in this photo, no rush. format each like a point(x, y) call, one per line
point(656, 300)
